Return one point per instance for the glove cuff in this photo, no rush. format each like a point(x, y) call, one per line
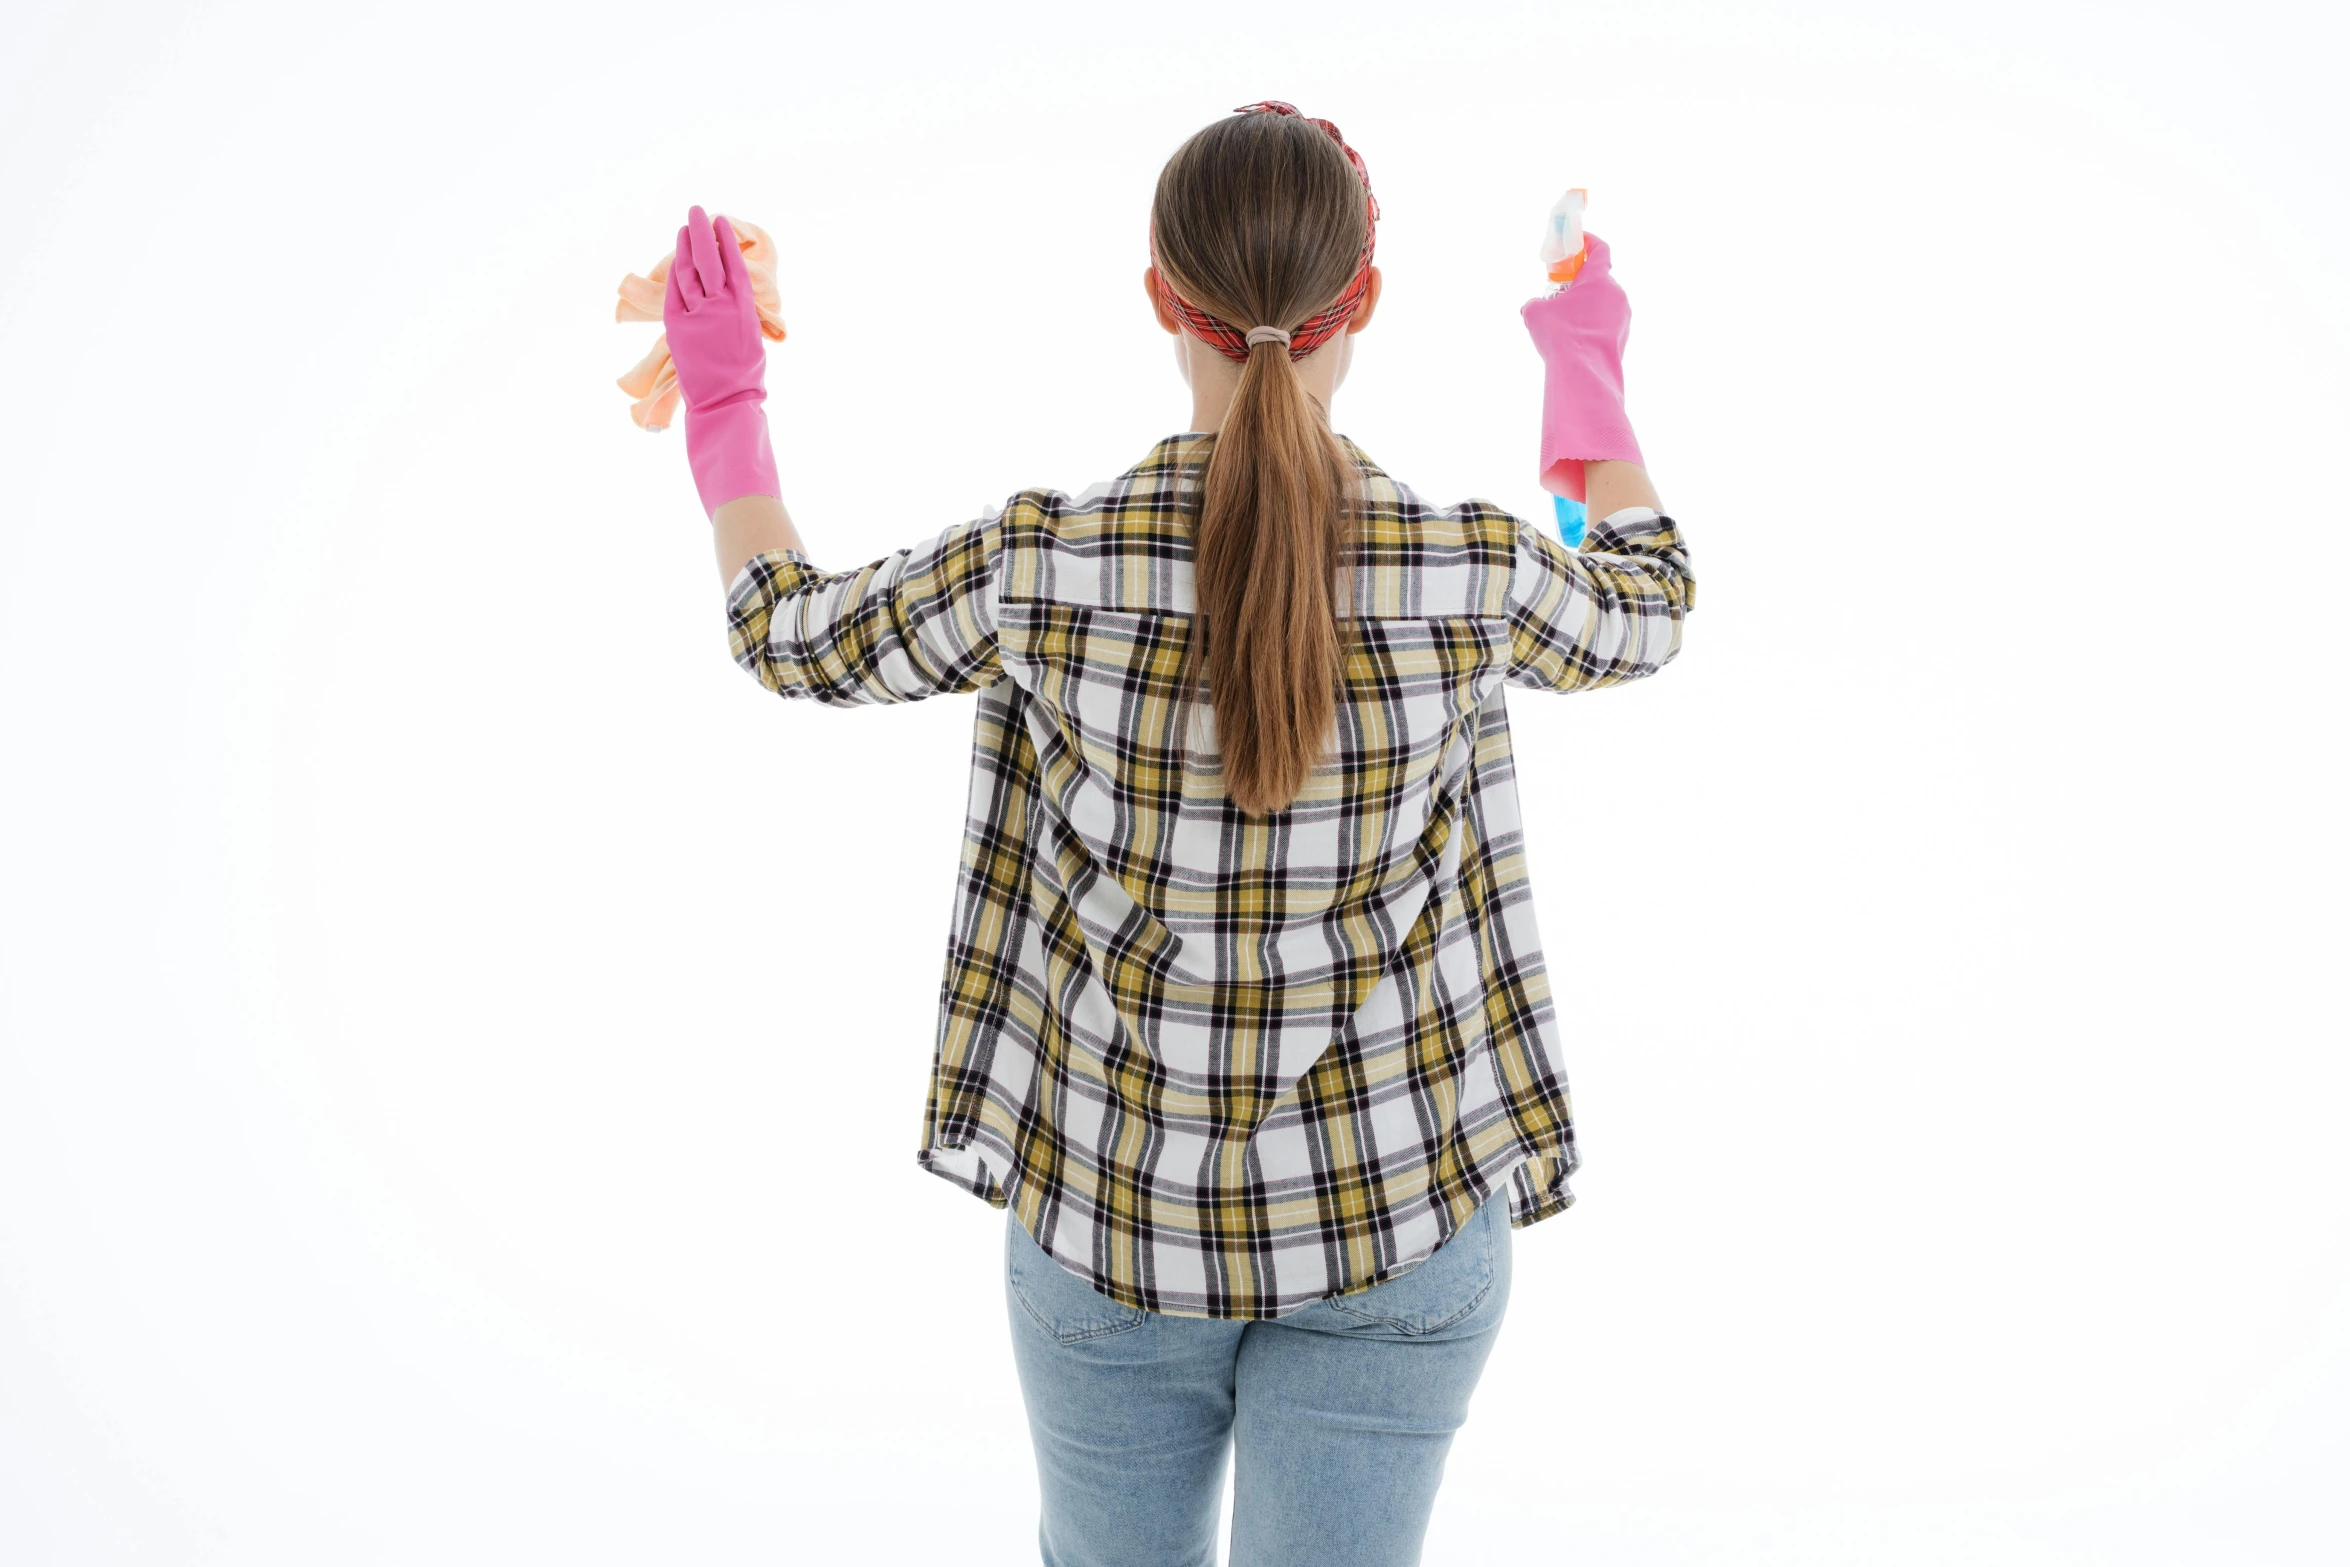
point(1583, 421)
point(727, 448)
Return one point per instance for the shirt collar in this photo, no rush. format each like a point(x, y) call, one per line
point(1193, 446)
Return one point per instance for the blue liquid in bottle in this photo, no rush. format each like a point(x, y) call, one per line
point(1572, 520)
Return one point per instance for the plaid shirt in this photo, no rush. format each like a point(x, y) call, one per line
point(1219, 1066)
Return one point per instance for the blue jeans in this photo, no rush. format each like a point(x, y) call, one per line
point(1339, 1416)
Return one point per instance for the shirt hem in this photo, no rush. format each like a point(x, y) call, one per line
point(1537, 1190)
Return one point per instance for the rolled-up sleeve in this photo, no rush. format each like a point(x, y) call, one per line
point(919, 622)
point(1606, 613)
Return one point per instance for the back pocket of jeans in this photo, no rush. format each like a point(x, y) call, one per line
point(1058, 1301)
point(1445, 1287)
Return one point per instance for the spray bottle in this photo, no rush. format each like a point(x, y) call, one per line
point(1562, 257)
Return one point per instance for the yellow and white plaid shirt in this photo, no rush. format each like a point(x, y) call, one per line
point(1219, 1066)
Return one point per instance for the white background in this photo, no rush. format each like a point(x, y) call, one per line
point(464, 1043)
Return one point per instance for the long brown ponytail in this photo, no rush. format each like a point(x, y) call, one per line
point(1260, 220)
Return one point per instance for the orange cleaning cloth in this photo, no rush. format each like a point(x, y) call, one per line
point(653, 383)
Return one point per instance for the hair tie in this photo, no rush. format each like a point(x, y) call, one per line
point(1267, 334)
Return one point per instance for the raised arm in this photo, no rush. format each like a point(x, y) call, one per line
point(751, 525)
point(1611, 611)
point(1606, 613)
point(1612, 486)
point(918, 622)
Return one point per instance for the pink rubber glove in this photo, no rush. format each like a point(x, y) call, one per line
point(712, 323)
point(1580, 332)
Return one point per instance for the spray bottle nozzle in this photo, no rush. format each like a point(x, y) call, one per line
point(1562, 245)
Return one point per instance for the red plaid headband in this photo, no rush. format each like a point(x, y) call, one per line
point(1230, 341)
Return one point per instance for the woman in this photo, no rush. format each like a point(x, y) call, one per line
point(1245, 1016)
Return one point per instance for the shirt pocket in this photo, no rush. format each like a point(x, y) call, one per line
point(1058, 1301)
point(1442, 1291)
